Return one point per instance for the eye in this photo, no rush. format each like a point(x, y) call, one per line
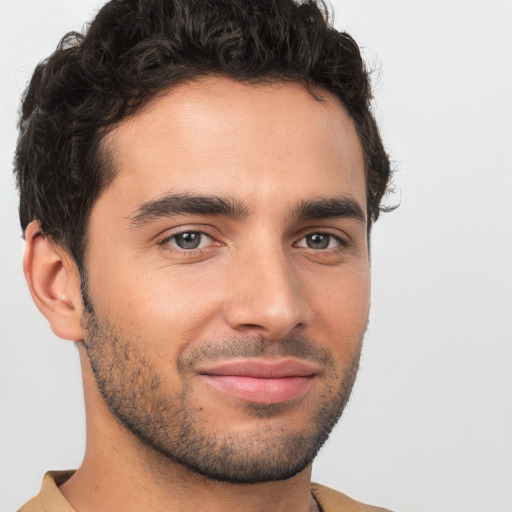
point(189, 240)
point(320, 241)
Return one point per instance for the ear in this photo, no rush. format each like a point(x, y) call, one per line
point(54, 283)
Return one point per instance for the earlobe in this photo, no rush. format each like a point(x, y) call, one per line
point(54, 283)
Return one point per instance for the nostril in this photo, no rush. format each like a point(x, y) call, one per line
point(251, 327)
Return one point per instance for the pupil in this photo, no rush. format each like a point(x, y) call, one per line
point(188, 240)
point(318, 241)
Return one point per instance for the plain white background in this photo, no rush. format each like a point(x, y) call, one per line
point(429, 426)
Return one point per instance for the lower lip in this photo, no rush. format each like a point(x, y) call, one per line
point(264, 391)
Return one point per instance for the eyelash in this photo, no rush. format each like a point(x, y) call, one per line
point(343, 244)
point(165, 243)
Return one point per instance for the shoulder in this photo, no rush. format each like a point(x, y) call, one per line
point(334, 501)
point(34, 505)
point(50, 498)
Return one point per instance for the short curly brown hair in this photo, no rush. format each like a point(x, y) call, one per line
point(135, 48)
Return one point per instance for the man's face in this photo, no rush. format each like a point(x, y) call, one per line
point(228, 276)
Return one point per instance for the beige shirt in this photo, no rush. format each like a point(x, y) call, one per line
point(50, 499)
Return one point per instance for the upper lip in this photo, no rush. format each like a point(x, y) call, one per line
point(275, 368)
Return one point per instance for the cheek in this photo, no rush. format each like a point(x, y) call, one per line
point(341, 309)
point(163, 306)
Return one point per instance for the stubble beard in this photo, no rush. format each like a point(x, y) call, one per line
point(176, 427)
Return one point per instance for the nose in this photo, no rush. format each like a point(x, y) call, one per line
point(267, 296)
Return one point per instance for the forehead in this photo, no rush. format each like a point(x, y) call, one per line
point(250, 141)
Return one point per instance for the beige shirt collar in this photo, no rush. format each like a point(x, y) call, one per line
point(50, 499)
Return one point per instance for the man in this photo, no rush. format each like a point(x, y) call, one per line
point(198, 181)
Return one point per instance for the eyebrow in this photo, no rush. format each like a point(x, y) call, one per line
point(179, 204)
point(335, 207)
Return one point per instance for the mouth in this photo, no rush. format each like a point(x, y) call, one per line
point(264, 381)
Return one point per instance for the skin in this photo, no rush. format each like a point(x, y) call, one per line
point(254, 282)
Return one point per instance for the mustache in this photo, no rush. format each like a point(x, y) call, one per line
point(300, 347)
